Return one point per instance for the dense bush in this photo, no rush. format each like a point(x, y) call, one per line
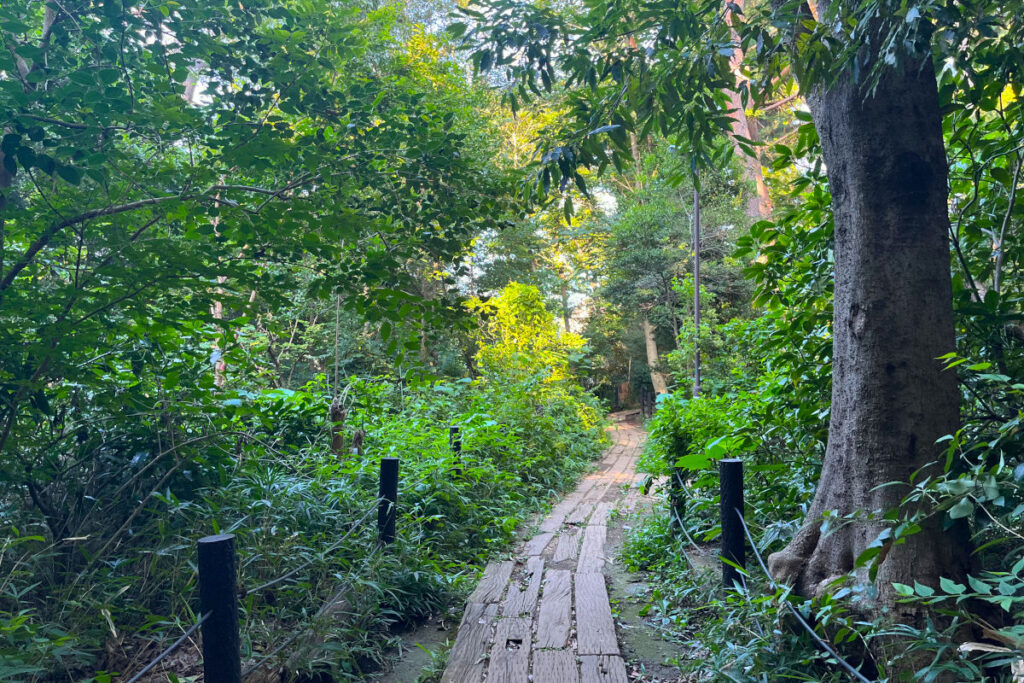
point(775, 415)
point(259, 463)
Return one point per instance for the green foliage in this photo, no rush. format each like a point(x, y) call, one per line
point(163, 195)
point(651, 245)
point(739, 636)
point(519, 338)
point(649, 261)
point(729, 351)
point(289, 500)
point(633, 71)
point(210, 215)
point(790, 260)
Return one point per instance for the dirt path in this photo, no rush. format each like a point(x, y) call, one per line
point(545, 616)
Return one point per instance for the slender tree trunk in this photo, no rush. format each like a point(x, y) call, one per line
point(759, 204)
point(566, 317)
point(657, 378)
point(336, 415)
point(424, 345)
point(220, 366)
point(891, 399)
point(6, 179)
point(696, 292)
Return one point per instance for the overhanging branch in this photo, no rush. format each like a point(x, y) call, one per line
point(44, 239)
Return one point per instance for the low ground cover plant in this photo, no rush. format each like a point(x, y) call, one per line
point(296, 482)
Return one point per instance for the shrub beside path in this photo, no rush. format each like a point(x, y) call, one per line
point(544, 616)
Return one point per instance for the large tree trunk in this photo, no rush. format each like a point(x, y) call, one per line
point(891, 399)
point(651, 344)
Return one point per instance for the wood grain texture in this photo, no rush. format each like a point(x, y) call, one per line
point(558, 513)
point(595, 630)
point(580, 514)
point(568, 546)
point(510, 656)
point(537, 544)
point(592, 551)
point(468, 658)
point(540, 637)
point(492, 585)
point(522, 596)
point(555, 615)
point(600, 514)
point(602, 669)
point(584, 488)
point(555, 666)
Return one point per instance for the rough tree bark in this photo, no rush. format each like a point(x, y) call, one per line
point(891, 399)
point(651, 344)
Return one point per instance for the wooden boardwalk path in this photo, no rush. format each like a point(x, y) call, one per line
point(544, 616)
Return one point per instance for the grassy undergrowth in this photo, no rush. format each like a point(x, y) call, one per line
point(98, 568)
point(287, 504)
point(754, 633)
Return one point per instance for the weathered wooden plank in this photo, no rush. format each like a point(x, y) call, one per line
point(510, 656)
point(555, 666)
point(584, 488)
point(468, 658)
point(580, 514)
point(592, 550)
point(603, 669)
point(614, 475)
point(600, 513)
point(568, 547)
point(522, 599)
point(492, 585)
point(555, 615)
point(631, 500)
point(595, 630)
point(537, 544)
point(558, 513)
point(622, 467)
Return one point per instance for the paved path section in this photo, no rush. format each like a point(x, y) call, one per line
point(544, 616)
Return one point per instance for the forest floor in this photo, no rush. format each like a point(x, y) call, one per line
point(559, 608)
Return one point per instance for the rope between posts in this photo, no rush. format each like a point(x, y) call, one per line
point(174, 646)
point(267, 658)
point(686, 556)
point(796, 613)
point(284, 577)
point(682, 526)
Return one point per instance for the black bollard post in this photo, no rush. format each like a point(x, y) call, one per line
point(218, 597)
point(733, 541)
point(455, 443)
point(387, 508)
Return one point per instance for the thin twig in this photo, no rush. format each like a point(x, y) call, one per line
point(273, 582)
point(266, 659)
point(997, 275)
point(174, 646)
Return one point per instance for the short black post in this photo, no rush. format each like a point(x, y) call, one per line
point(387, 508)
point(734, 547)
point(455, 443)
point(218, 597)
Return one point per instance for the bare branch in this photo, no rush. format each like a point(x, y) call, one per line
point(54, 229)
point(44, 239)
